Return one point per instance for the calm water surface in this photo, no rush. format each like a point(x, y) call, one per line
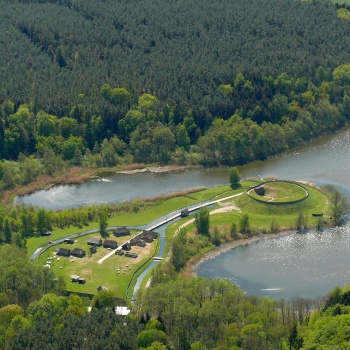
point(303, 265)
point(306, 265)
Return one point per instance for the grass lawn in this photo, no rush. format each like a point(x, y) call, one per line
point(105, 274)
point(262, 215)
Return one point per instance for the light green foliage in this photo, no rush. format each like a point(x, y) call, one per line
point(234, 176)
point(225, 89)
point(203, 221)
point(8, 313)
point(115, 95)
point(146, 102)
point(76, 306)
point(46, 124)
point(180, 251)
point(244, 223)
point(344, 13)
point(341, 75)
point(329, 328)
point(182, 138)
point(163, 141)
point(104, 299)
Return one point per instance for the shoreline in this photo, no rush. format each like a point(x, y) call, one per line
point(194, 262)
point(79, 175)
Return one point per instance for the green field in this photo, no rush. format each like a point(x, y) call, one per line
point(105, 274)
point(262, 215)
point(280, 192)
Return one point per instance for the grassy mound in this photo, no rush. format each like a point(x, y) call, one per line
point(280, 192)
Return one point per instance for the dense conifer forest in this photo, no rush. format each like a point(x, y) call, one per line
point(104, 83)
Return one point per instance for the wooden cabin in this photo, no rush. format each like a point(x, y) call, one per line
point(141, 243)
point(134, 241)
point(79, 253)
point(126, 246)
point(95, 241)
point(109, 243)
point(74, 278)
point(151, 234)
point(63, 252)
point(121, 231)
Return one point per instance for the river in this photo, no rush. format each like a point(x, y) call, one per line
point(306, 265)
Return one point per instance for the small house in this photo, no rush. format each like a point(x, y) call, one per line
point(68, 241)
point(74, 278)
point(79, 253)
point(141, 243)
point(147, 239)
point(119, 252)
point(185, 213)
point(134, 240)
point(121, 231)
point(126, 246)
point(81, 280)
point(63, 252)
point(93, 249)
point(151, 234)
point(95, 241)
point(99, 288)
point(109, 243)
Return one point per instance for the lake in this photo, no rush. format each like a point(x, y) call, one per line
point(306, 265)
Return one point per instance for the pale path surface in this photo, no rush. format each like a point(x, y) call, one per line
point(169, 219)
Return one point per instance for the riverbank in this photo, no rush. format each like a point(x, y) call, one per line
point(79, 175)
point(194, 262)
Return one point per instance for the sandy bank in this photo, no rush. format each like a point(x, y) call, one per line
point(155, 169)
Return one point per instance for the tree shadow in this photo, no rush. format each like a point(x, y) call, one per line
point(235, 186)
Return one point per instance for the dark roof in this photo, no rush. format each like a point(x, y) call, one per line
point(126, 246)
point(93, 249)
point(94, 241)
point(78, 252)
point(101, 288)
point(63, 251)
point(109, 243)
point(152, 234)
point(68, 241)
point(140, 243)
point(121, 231)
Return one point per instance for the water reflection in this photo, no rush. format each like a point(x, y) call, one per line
point(323, 161)
point(306, 265)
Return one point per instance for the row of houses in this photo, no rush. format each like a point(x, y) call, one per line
point(97, 242)
point(140, 240)
point(143, 238)
point(77, 252)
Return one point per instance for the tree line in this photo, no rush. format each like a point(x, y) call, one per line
point(271, 116)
